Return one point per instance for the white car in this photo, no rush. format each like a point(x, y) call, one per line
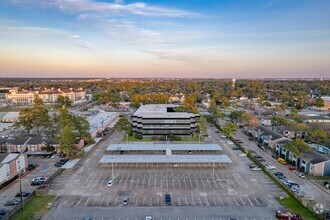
point(148, 218)
point(270, 167)
point(242, 155)
point(256, 168)
point(223, 136)
point(230, 142)
point(39, 179)
point(301, 175)
point(110, 183)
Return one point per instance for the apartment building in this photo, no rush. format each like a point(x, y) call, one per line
point(11, 164)
point(48, 96)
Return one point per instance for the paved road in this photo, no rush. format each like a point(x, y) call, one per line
point(163, 213)
point(311, 190)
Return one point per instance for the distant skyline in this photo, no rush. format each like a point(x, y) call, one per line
point(179, 39)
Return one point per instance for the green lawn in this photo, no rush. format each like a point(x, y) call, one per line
point(35, 208)
point(196, 139)
point(133, 139)
point(293, 205)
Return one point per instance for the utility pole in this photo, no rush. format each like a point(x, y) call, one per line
point(112, 168)
point(20, 190)
point(213, 169)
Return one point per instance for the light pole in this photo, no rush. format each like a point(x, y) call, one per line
point(199, 138)
point(112, 168)
point(213, 168)
point(126, 138)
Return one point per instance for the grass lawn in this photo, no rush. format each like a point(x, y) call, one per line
point(186, 139)
point(293, 205)
point(133, 139)
point(35, 208)
point(310, 177)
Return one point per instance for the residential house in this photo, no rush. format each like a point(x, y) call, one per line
point(268, 137)
point(11, 164)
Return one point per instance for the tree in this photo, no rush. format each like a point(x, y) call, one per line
point(229, 128)
point(124, 125)
point(297, 147)
point(319, 103)
point(25, 119)
point(319, 136)
point(37, 101)
point(235, 115)
point(67, 139)
point(202, 125)
point(63, 101)
point(225, 101)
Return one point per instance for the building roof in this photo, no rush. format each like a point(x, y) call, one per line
point(14, 140)
point(162, 147)
point(165, 159)
point(160, 111)
point(269, 132)
point(100, 119)
point(9, 157)
point(315, 157)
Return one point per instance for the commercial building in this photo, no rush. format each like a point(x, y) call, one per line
point(48, 96)
point(162, 119)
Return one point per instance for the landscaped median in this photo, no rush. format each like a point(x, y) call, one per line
point(35, 208)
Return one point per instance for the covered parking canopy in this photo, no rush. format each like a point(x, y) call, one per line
point(162, 147)
point(108, 159)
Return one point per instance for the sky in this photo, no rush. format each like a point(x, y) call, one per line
point(171, 39)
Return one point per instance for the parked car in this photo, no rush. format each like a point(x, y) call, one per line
point(126, 200)
point(278, 174)
point(37, 182)
point(301, 175)
point(59, 164)
point(274, 156)
point(148, 218)
point(287, 216)
point(13, 202)
point(168, 200)
point(110, 183)
point(24, 194)
point(229, 142)
point(242, 155)
point(235, 148)
point(327, 184)
point(3, 211)
point(252, 165)
point(270, 167)
point(293, 169)
point(256, 168)
point(281, 161)
point(39, 179)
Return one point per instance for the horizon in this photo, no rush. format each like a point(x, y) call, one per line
point(165, 39)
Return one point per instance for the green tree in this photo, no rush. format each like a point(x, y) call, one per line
point(202, 128)
point(37, 101)
point(63, 101)
point(235, 115)
point(319, 136)
point(319, 103)
point(124, 125)
point(229, 128)
point(67, 138)
point(25, 119)
point(297, 147)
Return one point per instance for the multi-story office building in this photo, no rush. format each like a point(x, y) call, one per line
point(162, 119)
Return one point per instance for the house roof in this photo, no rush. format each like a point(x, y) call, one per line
point(9, 158)
point(314, 157)
point(269, 132)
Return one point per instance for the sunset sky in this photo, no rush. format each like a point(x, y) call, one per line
point(174, 38)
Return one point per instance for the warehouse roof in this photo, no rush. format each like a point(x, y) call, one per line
point(165, 159)
point(162, 147)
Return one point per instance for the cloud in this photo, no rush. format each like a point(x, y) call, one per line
point(111, 9)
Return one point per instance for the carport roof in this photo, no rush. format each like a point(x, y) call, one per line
point(165, 159)
point(162, 147)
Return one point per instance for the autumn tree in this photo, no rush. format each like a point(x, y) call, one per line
point(67, 138)
point(319, 103)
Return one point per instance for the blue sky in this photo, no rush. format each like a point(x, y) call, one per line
point(216, 39)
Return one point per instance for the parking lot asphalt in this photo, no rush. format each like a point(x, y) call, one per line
point(162, 213)
point(45, 169)
point(310, 189)
point(234, 186)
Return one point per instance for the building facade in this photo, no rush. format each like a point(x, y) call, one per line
point(161, 119)
point(11, 165)
point(48, 96)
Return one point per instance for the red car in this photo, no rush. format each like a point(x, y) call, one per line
point(293, 169)
point(287, 216)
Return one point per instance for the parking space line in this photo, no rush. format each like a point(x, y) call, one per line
point(215, 203)
point(184, 180)
point(86, 203)
point(173, 181)
point(249, 201)
point(132, 181)
point(196, 181)
point(101, 201)
point(228, 201)
point(200, 201)
point(125, 184)
point(242, 201)
point(167, 180)
point(185, 198)
point(192, 186)
point(193, 201)
point(155, 184)
point(220, 201)
point(235, 201)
